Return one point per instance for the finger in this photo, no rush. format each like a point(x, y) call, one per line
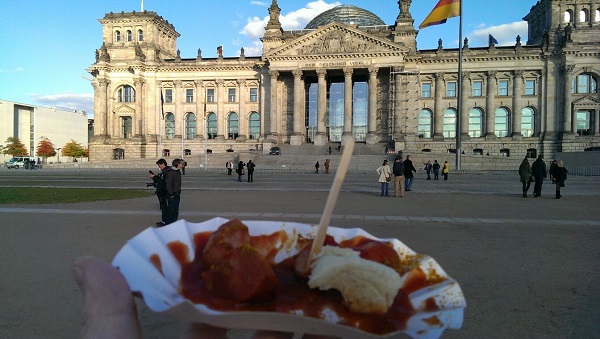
point(108, 307)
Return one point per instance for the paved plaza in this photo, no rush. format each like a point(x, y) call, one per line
point(528, 267)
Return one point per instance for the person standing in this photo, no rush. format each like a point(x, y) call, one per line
point(538, 168)
point(409, 169)
point(326, 166)
point(398, 170)
point(183, 166)
point(384, 177)
point(250, 167)
point(173, 186)
point(552, 169)
point(559, 173)
point(436, 170)
point(317, 168)
point(161, 190)
point(446, 170)
point(526, 176)
point(428, 168)
point(229, 166)
point(240, 170)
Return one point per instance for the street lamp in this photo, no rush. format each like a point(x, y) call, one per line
point(58, 155)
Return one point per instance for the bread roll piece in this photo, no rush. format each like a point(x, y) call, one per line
point(367, 286)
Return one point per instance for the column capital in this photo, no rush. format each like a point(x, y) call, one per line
point(220, 82)
point(567, 69)
point(466, 75)
point(241, 82)
point(321, 72)
point(439, 75)
point(348, 71)
point(103, 82)
point(297, 73)
point(373, 71)
point(178, 83)
point(273, 74)
point(491, 74)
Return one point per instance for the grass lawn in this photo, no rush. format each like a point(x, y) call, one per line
point(34, 195)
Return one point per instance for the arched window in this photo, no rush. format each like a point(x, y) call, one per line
point(527, 122)
point(568, 17)
point(583, 84)
point(233, 126)
point(117, 36)
point(140, 35)
point(597, 16)
point(254, 126)
point(584, 15)
point(475, 122)
point(211, 126)
point(501, 122)
point(190, 126)
point(425, 124)
point(126, 93)
point(170, 126)
point(129, 36)
point(449, 123)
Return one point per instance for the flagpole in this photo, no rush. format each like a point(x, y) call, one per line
point(160, 118)
point(459, 92)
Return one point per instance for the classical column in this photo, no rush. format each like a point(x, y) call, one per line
point(178, 100)
point(221, 114)
point(464, 114)
point(100, 107)
point(297, 135)
point(399, 112)
point(347, 135)
point(489, 105)
point(200, 111)
point(242, 113)
point(438, 113)
point(321, 137)
point(516, 106)
point(570, 124)
point(372, 120)
point(273, 129)
point(139, 114)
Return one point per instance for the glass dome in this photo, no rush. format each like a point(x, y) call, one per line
point(346, 14)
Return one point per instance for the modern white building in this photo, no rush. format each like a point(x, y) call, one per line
point(29, 123)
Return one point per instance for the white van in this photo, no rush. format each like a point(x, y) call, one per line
point(16, 162)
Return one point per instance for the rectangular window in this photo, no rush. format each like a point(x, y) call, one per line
point(477, 89)
point(231, 95)
point(126, 127)
point(426, 90)
point(503, 87)
point(189, 95)
point(583, 122)
point(210, 95)
point(253, 94)
point(168, 96)
point(451, 89)
point(529, 87)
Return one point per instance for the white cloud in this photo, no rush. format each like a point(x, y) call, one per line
point(255, 49)
point(68, 100)
point(506, 34)
point(11, 71)
point(259, 3)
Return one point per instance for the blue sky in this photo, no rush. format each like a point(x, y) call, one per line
point(46, 46)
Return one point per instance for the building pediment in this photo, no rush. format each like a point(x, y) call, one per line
point(124, 109)
point(336, 39)
point(586, 102)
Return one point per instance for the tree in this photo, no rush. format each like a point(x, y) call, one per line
point(73, 149)
point(45, 148)
point(14, 147)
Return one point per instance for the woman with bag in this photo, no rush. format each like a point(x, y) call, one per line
point(559, 173)
point(384, 177)
point(526, 176)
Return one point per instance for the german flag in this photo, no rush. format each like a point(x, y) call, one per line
point(441, 12)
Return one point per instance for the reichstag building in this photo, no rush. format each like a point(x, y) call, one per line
point(349, 75)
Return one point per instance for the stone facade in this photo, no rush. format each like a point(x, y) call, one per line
point(341, 81)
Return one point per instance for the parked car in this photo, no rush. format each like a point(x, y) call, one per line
point(275, 151)
point(16, 162)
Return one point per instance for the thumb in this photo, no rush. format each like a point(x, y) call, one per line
point(108, 307)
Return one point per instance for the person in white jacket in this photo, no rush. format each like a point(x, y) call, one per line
point(384, 177)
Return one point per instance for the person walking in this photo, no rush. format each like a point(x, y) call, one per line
point(398, 170)
point(436, 170)
point(446, 170)
point(240, 170)
point(559, 173)
point(326, 166)
point(161, 190)
point(229, 167)
point(409, 169)
point(552, 169)
point(317, 167)
point(538, 168)
point(250, 166)
point(384, 177)
point(428, 168)
point(526, 176)
point(173, 187)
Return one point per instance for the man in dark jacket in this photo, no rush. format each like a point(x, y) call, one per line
point(409, 169)
point(538, 168)
point(398, 171)
point(161, 189)
point(173, 187)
